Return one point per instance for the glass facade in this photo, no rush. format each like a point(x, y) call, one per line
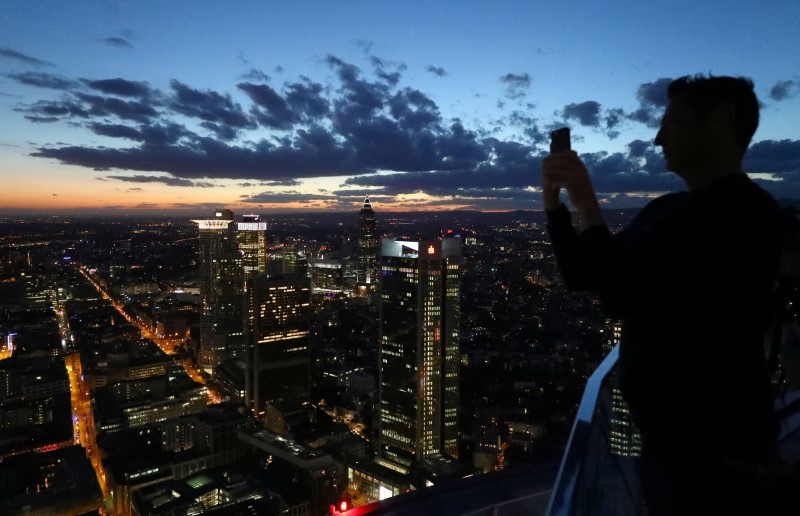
point(278, 332)
point(367, 273)
point(419, 349)
point(220, 290)
point(252, 238)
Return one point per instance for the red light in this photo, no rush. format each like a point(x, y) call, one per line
point(343, 506)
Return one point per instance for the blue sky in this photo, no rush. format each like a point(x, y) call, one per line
point(125, 106)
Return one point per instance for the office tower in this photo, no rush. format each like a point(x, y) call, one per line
point(612, 332)
point(326, 275)
point(251, 235)
point(624, 439)
point(278, 333)
point(221, 319)
point(295, 260)
point(367, 273)
point(419, 349)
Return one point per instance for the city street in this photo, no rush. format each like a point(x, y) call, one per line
point(167, 345)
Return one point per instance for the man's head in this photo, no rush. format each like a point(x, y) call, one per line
point(708, 120)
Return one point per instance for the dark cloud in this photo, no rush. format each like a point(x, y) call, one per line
point(585, 113)
point(306, 99)
point(286, 197)
point(517, 84)
point(221, 131)
point(773, 156)
point(209, 106)
point(783, 90)
point(115, 131)
point(529, 126)
point(18, 56)
point(638, 148)
point(274, 112)
point(284, 182)
point(511, 166)
point(654, 93)
point(109, 106)
point(43, 80)
point(613, 118)
point(413, 109)
point(41, 119)
point(134, 189)
point(120, 87)
point(436, 70)
point(514, 169)
point(652, 97)
point(169, 181)
point(255, 75)
point(355, 127)
point(153, 134)
point(381, 66)
point(312, 153)
point(116, 41)
point(360, 98)
point(44, 110)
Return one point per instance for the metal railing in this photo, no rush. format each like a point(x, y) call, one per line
point(599, 473)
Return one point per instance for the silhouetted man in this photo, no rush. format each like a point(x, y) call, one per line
point(691, 278)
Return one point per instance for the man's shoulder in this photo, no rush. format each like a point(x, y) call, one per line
point(664, 203)
point(744, 195)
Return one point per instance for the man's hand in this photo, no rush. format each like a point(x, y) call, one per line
point(565, 170)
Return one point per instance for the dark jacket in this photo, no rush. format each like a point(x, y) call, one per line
point(692, 280)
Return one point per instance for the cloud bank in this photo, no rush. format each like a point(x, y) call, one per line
point(385, 136)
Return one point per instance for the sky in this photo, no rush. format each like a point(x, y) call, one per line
point(126, 107)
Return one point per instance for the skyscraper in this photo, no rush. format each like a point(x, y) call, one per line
point(419, 349)
point(278, 332)
point(624, 438)
point(367, 273)
point(221, 319)
point(252, 238)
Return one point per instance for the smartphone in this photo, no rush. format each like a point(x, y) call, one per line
point(559, 140)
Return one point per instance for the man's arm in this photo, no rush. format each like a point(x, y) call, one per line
point(568, 249)
point(566, 170)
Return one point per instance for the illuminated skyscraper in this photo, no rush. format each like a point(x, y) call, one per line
point(278, 333)
point(252, 237)
point(624, 438)
point(419, 349)
point(367, 273)
point(221, 320)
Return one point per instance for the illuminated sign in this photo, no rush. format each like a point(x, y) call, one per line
point(431, 250)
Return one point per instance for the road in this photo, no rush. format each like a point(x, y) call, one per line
point(167, 345)
point(82, 417)
point(355, 427)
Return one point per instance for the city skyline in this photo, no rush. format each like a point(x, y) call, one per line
point(133, 109)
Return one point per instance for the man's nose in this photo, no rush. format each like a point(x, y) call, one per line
point(659, 138)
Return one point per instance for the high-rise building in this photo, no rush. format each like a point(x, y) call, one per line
point(221, 319)
point(419, 349)
point(251, 235)
point(295, 261)
point(278, 337)
point(367, 273)
point(624, 438)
